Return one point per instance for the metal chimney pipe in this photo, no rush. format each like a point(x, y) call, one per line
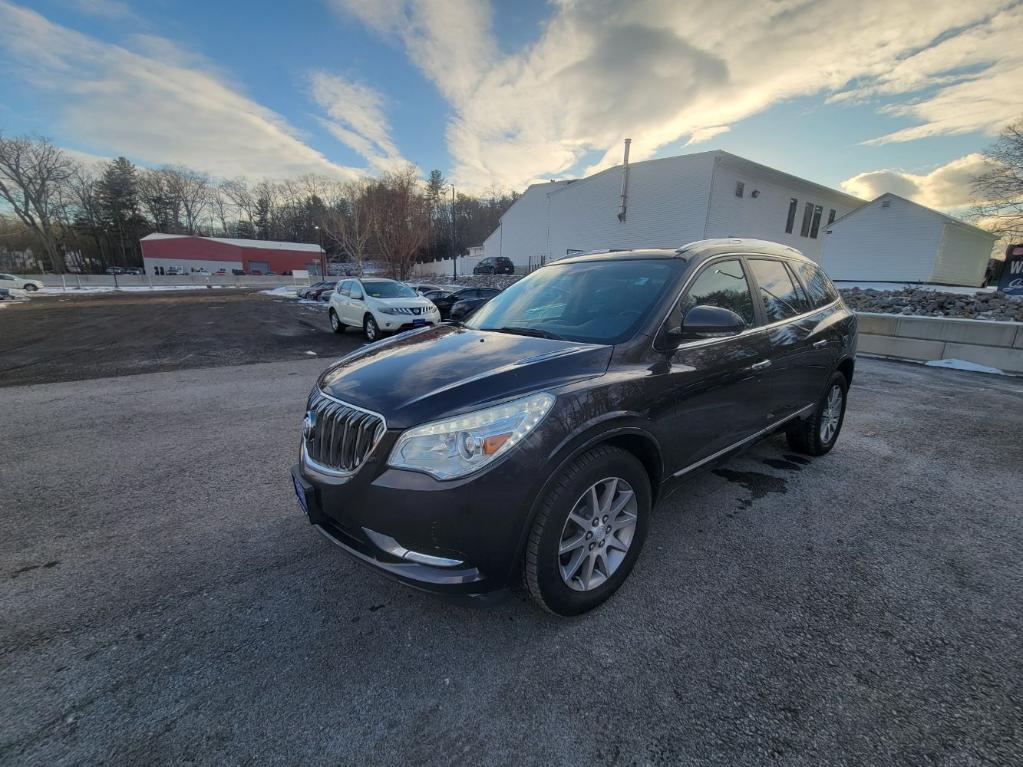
point(623, 198)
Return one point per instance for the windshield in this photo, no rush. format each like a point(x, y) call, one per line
point(388, 289)
point(593, 301)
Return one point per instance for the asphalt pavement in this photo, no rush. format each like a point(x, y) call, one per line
point(162, 600)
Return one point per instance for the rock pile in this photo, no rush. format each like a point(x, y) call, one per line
point(933, 303)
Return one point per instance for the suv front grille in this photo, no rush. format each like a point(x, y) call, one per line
point(337, 436)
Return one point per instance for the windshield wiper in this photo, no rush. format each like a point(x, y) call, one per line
point(523, 331)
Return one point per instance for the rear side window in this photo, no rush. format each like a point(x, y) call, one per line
point(722, 284)
point(821, 291)
point(778, 294)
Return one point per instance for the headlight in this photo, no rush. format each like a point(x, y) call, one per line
point(458, 446)
point(387, 310)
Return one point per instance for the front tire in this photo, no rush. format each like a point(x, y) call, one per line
point(588, 532)
point(335, 322)
point(370, 328)
point(817, 434)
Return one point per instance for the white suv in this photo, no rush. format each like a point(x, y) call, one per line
point(10, 281)
point(379, 306)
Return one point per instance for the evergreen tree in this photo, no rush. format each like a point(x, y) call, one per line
point(118, 195)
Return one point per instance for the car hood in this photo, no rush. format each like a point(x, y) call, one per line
point(427, 374)
point(419, 301)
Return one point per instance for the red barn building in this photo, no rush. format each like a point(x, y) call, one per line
point(186, 254)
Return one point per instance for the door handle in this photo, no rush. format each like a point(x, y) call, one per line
point(820, 344)
point(761, 365)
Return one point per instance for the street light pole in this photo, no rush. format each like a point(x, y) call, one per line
point(454, 255)
point(323, 256)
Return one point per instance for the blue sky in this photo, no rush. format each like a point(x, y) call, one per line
point(892, 95)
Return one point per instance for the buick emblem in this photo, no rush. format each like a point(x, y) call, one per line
point(309, 425)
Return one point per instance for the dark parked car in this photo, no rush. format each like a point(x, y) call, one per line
point(535, 439)
point(423, 288)
point(318, 291)
point(444, 301)
point(463, 309)
point(494, 265)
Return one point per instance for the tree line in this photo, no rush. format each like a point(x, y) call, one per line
point(87, 217)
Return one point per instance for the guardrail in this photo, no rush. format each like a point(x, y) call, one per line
point(77, 281)
point(922, 339)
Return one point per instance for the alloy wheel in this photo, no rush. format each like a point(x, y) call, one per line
point(334, 321)
point(831, 416)
point(597, 534)
point(371, 329)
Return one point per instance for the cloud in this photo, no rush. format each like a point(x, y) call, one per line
point(157, 104)
point(948, 187)
point(112, 10)
point(658, 71)
point(357, 118)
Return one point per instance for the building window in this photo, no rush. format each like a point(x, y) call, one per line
point(831, 217)
point(804, 229)
point(739, 188)
point(791, 220)
point(815, 228)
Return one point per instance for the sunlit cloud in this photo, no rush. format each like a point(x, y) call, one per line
point(948, 187)
point(660, 72)
point(156, 104)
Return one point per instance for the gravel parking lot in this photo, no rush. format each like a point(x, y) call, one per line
point(164, 601)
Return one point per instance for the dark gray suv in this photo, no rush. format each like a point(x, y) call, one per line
point(533, 441)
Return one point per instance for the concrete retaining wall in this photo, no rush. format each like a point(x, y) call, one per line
point(995, 344)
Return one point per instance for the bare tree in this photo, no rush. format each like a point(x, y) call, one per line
point(400, 218)
point(32, 170)
point(189, 189)
point(220, 206)
point(348, 220)
point(999, 190)
point(237, 191)
point(158, 199)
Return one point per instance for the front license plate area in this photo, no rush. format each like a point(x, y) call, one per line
point(418, 323)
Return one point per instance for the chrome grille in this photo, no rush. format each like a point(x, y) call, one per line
point(339, 437)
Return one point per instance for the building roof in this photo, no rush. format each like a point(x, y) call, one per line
point(240, 243)
point(891, 196)
point(731, 159)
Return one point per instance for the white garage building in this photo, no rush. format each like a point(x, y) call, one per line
point(666, 203)
point(895, 240)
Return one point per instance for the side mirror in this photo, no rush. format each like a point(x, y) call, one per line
point(702, 322)
point(710, 322)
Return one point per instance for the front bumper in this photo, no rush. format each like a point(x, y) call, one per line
point(401, 523)
point(398, 323)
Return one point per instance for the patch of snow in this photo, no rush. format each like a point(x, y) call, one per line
point(311, 354)
point(972, 367)
point(309, 301)
point(130, 288)
point(285, 290)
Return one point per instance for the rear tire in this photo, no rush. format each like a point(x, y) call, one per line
point(31, 288)
point(619, 485)
point(335, 322)
point(817, 434)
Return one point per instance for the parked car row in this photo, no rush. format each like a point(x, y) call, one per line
point(378, 305)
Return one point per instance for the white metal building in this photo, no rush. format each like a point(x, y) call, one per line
point(895, 240)
point(667, 203)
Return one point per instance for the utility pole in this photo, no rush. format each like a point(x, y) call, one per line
point(323, 258)
point(454, 255)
